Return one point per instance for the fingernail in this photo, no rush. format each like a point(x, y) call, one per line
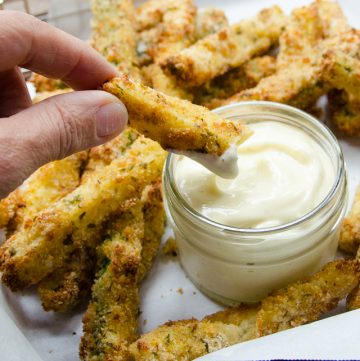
point(111, 119)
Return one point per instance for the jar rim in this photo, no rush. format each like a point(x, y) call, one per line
point(341, 172)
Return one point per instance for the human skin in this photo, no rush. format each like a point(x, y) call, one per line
point(32, 135)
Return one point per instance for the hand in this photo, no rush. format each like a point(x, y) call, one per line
point(32, 135)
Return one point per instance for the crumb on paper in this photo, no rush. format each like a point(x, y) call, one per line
point(74, 333)
point(51, 351)
point(181, 291)
point(194, 293)
point(145, 322)
point(170, 247)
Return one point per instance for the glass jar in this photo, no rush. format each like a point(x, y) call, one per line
point(233, 265)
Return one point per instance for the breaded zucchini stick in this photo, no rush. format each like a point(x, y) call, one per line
point(113, 34)
point(229, 48)
point(299, 303)
point(208, 21)
point(66, 287)
point(345, 112)
point(235, 80)
point(304, 301)
point(47, 185)
point(174, 123)
point(175, 31)
point(309, 32)
point(154, 225)
point(8, 208)
point(353, 300)
point(342, 71)
point(350, 228)
point(189, 339)
point(40, 248)
point(111, 320)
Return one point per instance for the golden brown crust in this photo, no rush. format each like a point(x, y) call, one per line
point(175, 123)
point(350, 228)
point(304, 301)
point(38, 249)
point(229, 48)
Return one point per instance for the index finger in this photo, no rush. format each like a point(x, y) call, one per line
point(33, 44)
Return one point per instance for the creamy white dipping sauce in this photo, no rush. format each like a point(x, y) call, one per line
point(283, 174)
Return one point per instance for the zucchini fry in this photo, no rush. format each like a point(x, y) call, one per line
point(175, 32)
point(66, 287)
point(47, 185)
point(207, 22)
point(342, 71)
point(229, 48)
point(299, 303)
point(350, 228)
point(298, 81)
point(8, 208)
point(174, 22)
point(235, 80)
point(353, 300)
point(175, 123)
point(113, 34)
point(111, 320)
point(189, 339)
point(304, 301)
point(38, 249)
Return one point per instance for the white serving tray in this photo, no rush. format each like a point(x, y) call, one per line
point(29, 333)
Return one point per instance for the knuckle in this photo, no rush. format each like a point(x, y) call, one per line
point(67, 130)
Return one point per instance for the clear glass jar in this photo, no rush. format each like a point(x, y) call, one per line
point(233, 265)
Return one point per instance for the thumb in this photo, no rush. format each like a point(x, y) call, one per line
point(53, 129)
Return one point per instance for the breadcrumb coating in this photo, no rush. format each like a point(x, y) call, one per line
point(38, 249)
point(229, 48)
point(174, 123)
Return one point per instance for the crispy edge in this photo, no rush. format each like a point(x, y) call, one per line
point(229, 48)
point(110, 322)
point(38, 249)
point(350, 229)
point(176, 124)
point(304, 301)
